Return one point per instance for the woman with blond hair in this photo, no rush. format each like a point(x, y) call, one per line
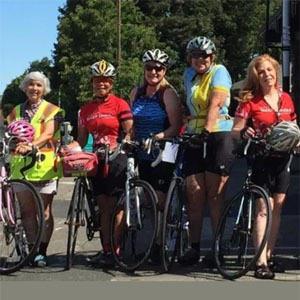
point(265, 104)
point(156, 109)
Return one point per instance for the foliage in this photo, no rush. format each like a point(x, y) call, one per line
point(87, 32)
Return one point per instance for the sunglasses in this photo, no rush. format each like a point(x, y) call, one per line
point(200, 55)
point(151, 68)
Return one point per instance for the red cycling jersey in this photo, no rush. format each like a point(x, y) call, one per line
point(263, 116)
point(103, 119)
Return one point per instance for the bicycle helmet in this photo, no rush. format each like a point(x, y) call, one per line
point(21, 129)
point(201, 43)
point(102, 68)
point(284, 136)
point(157, 56)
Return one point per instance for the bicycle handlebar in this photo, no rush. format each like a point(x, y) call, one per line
point(160, 143)
point(125, 145)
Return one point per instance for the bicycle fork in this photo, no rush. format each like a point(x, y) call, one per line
point(237, 225)
point(136, 203)
point(130, 174)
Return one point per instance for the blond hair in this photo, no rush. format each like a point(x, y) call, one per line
point(251, 84)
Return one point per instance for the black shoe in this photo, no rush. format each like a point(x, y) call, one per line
point(263, 272)
point(101, 258)
point(208, 261)
point(155, 256)
point(275, 266)
point(189, 258)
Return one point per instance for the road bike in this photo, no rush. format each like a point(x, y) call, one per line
point(83, 211)
point(234, 251)
point(134, 219)
point(21, 212)
point(175, 229)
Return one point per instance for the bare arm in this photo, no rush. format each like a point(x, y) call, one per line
point(217, 101)
point(132, 95)
point(174, 111)
point(82, 136)
point(127, 126)
point(238, 125)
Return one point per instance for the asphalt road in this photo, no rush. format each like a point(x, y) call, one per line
point(287, 248)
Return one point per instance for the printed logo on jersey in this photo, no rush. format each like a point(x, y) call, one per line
point(99, 115)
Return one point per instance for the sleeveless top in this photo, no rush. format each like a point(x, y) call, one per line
point(149, 116)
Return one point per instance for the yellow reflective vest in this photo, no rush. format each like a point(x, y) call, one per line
point(48, 165)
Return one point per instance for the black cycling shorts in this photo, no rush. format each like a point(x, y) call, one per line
point(272, 173)
point(219, 157)
point(114, 183)
point(159, 177)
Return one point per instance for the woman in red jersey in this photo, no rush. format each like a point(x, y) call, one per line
point(263, 102)
point(103, 117)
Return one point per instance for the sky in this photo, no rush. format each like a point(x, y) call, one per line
point(28, 31)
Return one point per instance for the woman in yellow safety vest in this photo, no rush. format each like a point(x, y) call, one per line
point(45, 117)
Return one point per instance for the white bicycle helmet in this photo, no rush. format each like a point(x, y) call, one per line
point(284, 136)
point(102, 68)
point(156, 55)
point(201, 43)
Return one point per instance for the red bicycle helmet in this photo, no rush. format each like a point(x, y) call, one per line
point(21, 129)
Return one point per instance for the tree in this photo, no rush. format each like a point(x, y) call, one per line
point(234, 26)
point(87, 33)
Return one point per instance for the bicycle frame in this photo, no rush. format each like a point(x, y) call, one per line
point(130, 175)
point(4, 158)
point(6, 202)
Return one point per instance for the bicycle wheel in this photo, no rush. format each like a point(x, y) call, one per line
point(91, 212)
point(234, 249)
point(184, 244)
point(22, 229)
point(74, 219)
point(172, 225)
point(133, 243)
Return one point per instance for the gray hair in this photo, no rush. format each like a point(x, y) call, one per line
point(38, 76)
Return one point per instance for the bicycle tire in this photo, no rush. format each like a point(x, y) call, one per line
point(91, 212)
point(172, 225)
point(19, 244)
point(184, 244)
point(135, 242)
point(234, 251)
point(75, 215)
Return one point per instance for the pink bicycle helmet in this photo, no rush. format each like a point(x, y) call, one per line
point(21, 129)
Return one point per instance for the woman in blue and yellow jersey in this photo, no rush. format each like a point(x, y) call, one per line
point(207, 87)
point(45, 117)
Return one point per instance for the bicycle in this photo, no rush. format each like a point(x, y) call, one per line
point(134, 219)
point(19, 239)
point(234, 251)
point(83, 211)
point(175, 229)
